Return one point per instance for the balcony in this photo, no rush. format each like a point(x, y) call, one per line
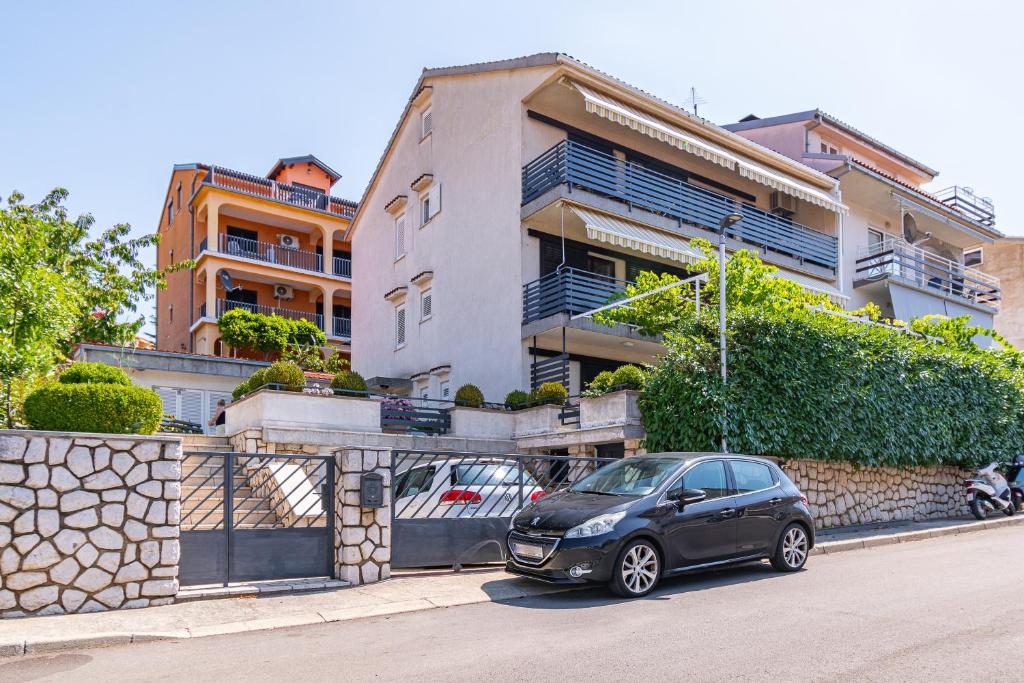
point(963, 199)
point(604, 174)
point(569, 291)
point(224, 305)
point(295, 195)
point(897, 260)
point(342, 327)
point(343, 266)
point(269, 252)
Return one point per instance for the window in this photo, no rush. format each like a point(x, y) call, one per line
point(399, 237)
point(751, 476)
point(875, 239)
point(170, 312)
point(430, 204)
point(170, 211)
point(446, 389)
point(172, 257)
point(425, 209)
point(426, 123)
point(400, 327)
point(179, 195)
point(974, 257)
point(828, 149)
point(425, 392)
point(426, 305)
point(416, 480)
point(709, 477)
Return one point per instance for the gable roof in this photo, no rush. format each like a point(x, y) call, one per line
point(307, 159)
point(752, 121)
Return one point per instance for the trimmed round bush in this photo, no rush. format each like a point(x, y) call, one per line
point(469, 395)
point(516, 398)
point(347, 380)
point(93, 373)
point(601, 382)
point(240, 391)
point(628, 377)
point(101, 408)
point(284, 373)
point(550, 393)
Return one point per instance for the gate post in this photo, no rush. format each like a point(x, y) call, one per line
point(362, 535)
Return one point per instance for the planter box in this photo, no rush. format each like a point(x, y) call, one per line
point(482, 423)
point(616, 408)
point(269, 408)
point(538, 420)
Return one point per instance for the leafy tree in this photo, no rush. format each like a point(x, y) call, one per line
point(243, 329)
point(58, 286)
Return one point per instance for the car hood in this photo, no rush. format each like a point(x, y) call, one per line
point(566, 509)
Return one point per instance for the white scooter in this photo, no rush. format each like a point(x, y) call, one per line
point(989, 493)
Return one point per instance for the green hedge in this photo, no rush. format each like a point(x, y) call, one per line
point(808, 385)
point(93, 373)
point(469, 395)
point(102, 408)
point(516, 398)
point(243, 329)
point(348, 380)
point(285, 373)
point(550, 393)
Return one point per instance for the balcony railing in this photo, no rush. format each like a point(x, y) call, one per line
point(342, 326)
point(342, 266)
point(225, 305)
point(604, 174)
point(963, 199)
point(896, 259)
point(568, 291)
point(295, 195)
point(270, 252)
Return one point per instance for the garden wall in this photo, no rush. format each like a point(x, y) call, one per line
point(840, 494)
point(88, 522)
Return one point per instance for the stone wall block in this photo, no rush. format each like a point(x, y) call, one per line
point(362, 548)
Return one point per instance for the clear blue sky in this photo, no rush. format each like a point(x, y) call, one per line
point(102, 98)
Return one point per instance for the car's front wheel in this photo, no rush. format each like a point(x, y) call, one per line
point(792, 549)
point(637, 570)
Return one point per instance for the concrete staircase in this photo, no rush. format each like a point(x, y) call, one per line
point(202, 490)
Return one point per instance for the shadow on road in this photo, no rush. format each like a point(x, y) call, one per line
point(598, 596)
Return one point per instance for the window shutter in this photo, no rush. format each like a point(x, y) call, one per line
point(426, 305)
point(434, 195)
point(446, 388)
point(428, 123)
point(399, 236)
point(192, 406)
point(169, 397)
point(399, 326)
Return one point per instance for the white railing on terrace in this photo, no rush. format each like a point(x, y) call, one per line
point(342, 266)
point(271, 189)
point(896, 259)
point(270, 252)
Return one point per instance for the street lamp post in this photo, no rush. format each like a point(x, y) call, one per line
point(723, 225)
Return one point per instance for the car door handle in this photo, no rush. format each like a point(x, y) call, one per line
point(727, 512)
point(774, 501)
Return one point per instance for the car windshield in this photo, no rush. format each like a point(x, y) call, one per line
point(480, 474)
point(629, 477)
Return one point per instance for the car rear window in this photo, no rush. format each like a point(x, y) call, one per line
point(751, 476)
point(480, 474)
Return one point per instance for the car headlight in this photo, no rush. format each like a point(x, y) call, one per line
point(595, 526)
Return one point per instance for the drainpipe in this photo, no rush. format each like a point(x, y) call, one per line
point(840, 268)
point(192, 255)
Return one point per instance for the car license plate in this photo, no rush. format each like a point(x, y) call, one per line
point(534, 552)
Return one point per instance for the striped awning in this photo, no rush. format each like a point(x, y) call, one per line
point(602, 228)
point(623, 114)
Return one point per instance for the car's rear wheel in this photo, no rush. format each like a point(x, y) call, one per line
point(637, 570)
point(792, 549)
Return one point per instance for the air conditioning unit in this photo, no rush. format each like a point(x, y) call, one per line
point(783, 204)
point(288, 241)
point(283, 292)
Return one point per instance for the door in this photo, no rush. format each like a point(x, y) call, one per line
point(759, 504)
point(242, 242)
point(241, 298)
point(705, 531)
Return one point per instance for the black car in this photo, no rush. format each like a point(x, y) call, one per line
point(638, 519)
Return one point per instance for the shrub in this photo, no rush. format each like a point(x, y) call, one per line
point(516, 398)
point(628, 377)
point(550, 393)
point(93, 373)
point(240, 391)
point(601, 382)
point(469, 395)
point(103, 408)
point(284, 373)
point(347, 380)
point(243, 329)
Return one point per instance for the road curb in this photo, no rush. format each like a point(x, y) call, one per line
point(98, 640)
point(832, 547)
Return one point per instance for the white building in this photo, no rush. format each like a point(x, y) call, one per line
point(515, 194)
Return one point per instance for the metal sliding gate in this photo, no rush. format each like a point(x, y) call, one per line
point(251, 517)
point(452, 509)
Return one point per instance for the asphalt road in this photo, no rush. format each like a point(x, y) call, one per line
point(939, 610)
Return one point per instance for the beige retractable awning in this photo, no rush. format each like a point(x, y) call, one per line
point(623, 114)
point(602, 228)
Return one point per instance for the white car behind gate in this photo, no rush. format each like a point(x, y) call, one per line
point(447, 489)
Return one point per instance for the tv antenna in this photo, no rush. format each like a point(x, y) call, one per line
point(694, 100)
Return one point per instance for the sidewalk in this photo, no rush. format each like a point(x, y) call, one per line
point(405, 592)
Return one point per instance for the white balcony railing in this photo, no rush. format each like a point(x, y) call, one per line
point(898, 260)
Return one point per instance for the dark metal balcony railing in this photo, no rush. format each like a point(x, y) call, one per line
point(342, 266)
point(289, 194)
point(270, 252)
point(903, 262)
point(225, 305)
point(629, 182)
point(342, 326)
point(963, 199)
point(569, 291)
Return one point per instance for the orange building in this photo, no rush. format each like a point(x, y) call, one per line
point(276, 245)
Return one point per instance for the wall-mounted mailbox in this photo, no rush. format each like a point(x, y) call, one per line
point(371, 490)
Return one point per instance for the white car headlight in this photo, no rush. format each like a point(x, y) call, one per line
point(595, 526)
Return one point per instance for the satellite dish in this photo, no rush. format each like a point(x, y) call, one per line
point(226, 282)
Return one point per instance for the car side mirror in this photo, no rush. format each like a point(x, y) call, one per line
point(692, 496)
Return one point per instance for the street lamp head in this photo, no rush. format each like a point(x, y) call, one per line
point(726, 221)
